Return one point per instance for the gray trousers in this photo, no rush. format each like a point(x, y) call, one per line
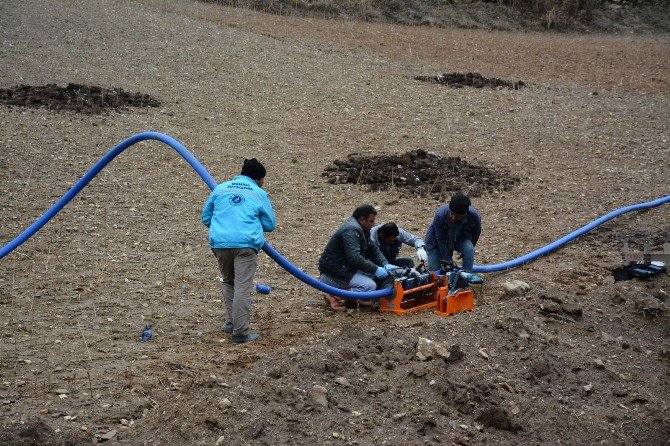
point(238, 268)
point(361, 282)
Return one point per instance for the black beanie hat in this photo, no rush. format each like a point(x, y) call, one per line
point(459, 204)
point(253, 169)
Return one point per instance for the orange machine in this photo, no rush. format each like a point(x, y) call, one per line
point(431, 291)
point(411, 300)
point(448, 304)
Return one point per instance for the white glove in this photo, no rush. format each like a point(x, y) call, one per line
point(422, 255)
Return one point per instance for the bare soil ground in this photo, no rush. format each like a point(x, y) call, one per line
point(576, 360)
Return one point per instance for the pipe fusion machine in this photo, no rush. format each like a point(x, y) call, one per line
point(448, 291)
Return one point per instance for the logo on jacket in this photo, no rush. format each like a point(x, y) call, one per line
point(236, 200)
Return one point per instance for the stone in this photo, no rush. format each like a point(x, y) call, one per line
point(515, 287)
point(108, 435)
point(598, 363)
point(482, 353)
point(292, 351)
point(427, 349)
point(319, 396)
point(341, 380)
point(220, 441)
point(61, 391)
point(424, 349)
point(224, 403)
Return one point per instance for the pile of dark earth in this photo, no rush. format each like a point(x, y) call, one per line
point(419, 173)
point(476, 80)
point(74, 97)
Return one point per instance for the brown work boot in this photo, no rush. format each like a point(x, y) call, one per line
point(334, 303)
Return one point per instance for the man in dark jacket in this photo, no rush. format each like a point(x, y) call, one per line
point(456, 226)
point(350, 259)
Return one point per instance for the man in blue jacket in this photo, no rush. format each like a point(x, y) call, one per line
point(455, 227)
point(237, 213)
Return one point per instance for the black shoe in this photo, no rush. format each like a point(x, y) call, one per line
point(228, 327)
point(242, 339)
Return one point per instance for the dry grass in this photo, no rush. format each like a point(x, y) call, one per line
point(565, 15)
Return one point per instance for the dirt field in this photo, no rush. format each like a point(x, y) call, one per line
point(576, 360)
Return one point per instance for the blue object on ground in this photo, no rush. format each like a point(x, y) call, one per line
point(147, 334)
point(263, 289)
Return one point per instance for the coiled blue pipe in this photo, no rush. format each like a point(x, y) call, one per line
point(283, 262)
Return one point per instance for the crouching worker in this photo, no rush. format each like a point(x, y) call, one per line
point(350, 260)
point(237, 213)
point(390, 238)
point(456, 227)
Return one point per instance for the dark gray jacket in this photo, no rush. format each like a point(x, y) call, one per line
point(349, 250)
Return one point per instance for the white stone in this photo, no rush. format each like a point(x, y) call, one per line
point(515, 287)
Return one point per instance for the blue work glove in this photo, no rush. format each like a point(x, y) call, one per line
point(381, 273)
point(390, 267)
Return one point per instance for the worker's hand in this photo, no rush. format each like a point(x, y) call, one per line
point(381, 273)
point(447, 264)
point(390, 267)
point(422, 255)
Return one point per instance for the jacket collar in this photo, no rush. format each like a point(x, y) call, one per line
point(245, 178)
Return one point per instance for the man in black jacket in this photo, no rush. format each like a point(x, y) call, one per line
point(350, 259)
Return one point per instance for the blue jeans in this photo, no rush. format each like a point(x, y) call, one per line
point(464, 246)
point(361, 282)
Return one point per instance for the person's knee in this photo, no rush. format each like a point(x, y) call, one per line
point(363, 284)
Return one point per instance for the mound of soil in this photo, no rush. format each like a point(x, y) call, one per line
point(419, 173)
point(35, 432)
point(75, 97)
point(475, 80)
point(490, 377)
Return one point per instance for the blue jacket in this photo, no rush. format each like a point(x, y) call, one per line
point(237, 213)
point(438, 232)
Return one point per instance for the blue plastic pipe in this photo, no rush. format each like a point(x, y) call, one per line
point(283, 262)
point(79, 185)
point(568, 238)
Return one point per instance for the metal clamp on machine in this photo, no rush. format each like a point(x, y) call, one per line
point(457, 296)
point(413, 290)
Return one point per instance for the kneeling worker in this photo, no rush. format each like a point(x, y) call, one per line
point(350, 259)
point(456, 226)
point(389, 237)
